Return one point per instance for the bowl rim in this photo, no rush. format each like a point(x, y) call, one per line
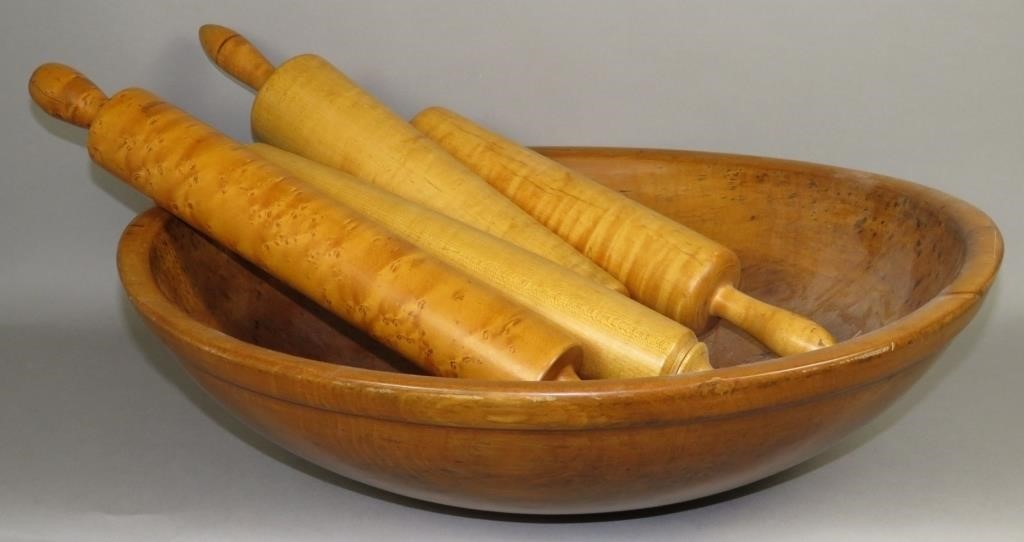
point(688, 398)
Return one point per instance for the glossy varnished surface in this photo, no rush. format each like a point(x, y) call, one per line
point(892, 269)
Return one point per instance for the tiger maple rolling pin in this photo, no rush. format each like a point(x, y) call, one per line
point(310, 108)
point(620, 337)
point(664, 264)
point(427, 311)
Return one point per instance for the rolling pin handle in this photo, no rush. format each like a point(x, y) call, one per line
point(784, 332)
point(235, 55)
point(66, 94)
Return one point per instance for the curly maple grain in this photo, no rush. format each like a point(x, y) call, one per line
point(620, 337)
point(433, 315)
point(664, 264)
point(309, 107)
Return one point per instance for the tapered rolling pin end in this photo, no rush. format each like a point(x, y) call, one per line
point(234, 54)
point(813, 338)
point(784, 332)
point(66, 94)
point(697, 359)
point(693, 359)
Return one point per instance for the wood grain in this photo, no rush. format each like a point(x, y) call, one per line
point(432, 314)
point(896, 269)
point(620, 337)
point(664, 264)
point(65, 94)
point(310, 108)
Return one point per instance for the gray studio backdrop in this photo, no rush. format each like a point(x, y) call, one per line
point(102, 437)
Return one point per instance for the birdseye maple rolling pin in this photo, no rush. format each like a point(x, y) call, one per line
point(664, 264)
point(427, 311)
point(309, 107)
point(620, 337)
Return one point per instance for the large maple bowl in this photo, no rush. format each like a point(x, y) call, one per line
point(893, 269)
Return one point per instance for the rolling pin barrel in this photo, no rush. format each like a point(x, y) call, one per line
point(620, 337)
point(309, 107)
point(432, 314)
point(664, 264)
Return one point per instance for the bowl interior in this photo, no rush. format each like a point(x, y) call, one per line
point(847, 249)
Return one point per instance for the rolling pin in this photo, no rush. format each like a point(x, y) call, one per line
point(435, 316)
point(620, 337)
point(664, 264)
point(308, 107)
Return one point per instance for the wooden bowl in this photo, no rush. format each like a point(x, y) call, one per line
point(893, 269)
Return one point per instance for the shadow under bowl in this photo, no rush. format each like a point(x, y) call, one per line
point(893, 269)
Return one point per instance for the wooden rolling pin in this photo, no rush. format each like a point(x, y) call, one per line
point(620, 337)
point(427, 311)
point(664, 264)
point(310, 108)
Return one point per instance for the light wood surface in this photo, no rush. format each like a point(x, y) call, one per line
point(895, 269)
point(620, 337)
point(664, 264)
point(309, 107)
point(434, 315)
point(231, 51)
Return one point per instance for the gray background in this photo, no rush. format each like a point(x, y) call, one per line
point(103, 437)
